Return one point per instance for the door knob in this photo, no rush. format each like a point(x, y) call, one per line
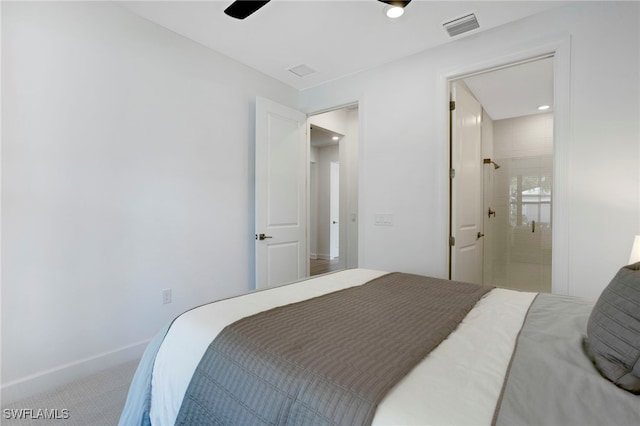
point(263, 237)
point(480, 235)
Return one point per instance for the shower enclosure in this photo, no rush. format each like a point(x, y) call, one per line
point(518, 199)
point(520, 221)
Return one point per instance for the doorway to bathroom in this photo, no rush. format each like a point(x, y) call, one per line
point(511, 245)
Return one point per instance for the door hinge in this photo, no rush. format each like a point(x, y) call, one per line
point(452, 241)
point(452, 173)
point(452, 105)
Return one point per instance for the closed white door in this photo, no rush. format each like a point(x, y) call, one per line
point(467, 196)
point(281, 184)
point(334, 226)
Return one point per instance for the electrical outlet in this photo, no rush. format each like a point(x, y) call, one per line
point(166, 296)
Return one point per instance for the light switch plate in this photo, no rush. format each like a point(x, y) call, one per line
point(383, 219)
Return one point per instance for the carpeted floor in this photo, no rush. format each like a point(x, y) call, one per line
point(94, 401)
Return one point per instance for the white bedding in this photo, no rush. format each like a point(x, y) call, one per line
point(467, 368)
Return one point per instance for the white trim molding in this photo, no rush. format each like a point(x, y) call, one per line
point(64, 374)
point(561, 51)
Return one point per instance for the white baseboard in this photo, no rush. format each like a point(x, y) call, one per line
point(64, 374)
point(313, 256)
point(324, 256)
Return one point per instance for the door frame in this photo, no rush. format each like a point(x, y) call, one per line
point(561, 51)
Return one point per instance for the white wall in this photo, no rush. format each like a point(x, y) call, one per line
point(335, 120)
point(529, 136)
point(313, 203)
point(326, 155)
point(404, 154)
point(127, 168)
point(349, 183)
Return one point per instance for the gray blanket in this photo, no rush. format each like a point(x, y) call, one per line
point(551, 379)
point(327, 360)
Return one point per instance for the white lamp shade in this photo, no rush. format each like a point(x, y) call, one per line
point(635, 250)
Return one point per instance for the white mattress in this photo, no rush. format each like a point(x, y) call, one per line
point(467, 368)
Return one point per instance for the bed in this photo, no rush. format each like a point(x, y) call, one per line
point(508, 358)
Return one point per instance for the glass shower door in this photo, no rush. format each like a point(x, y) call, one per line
point(522, 239)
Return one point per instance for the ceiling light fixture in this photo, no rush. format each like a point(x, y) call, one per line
point(395, 8)
point(335, 138)
point(543, 107)
point(394, 12)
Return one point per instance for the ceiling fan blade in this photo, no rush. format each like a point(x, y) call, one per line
point(396, 3)
point(240, 9)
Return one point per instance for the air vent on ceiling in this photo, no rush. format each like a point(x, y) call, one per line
point(461, 25)
point(302, 70)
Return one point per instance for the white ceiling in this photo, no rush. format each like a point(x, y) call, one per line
point(334, 37)
point(515, 91)
point(321, 137)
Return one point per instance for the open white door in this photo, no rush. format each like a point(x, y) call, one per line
point(281, 201)
point(466, 186)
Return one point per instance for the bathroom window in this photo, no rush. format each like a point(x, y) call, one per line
point(530, 200)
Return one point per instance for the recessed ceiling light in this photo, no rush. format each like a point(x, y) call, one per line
point(395, 11)
point(543, 107)
point(335, 138)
